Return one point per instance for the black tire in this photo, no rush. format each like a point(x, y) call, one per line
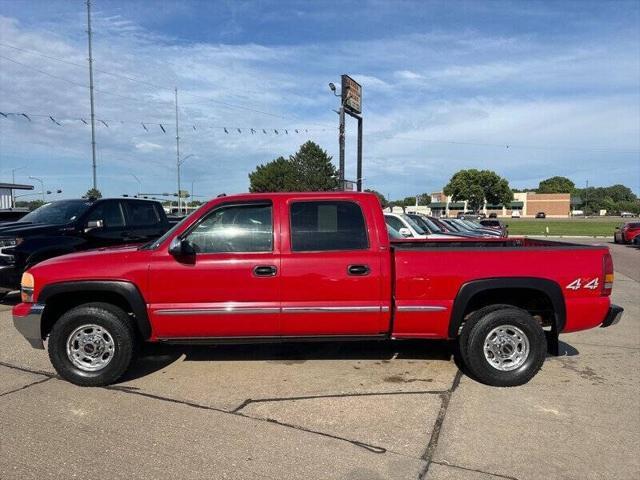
point(467, 326)
point(119, 332)
point(486, 372)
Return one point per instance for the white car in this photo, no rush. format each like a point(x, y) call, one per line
point(626, 214)
point(408, 228)
point(515, 214)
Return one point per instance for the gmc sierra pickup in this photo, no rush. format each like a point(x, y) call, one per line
point(313, 266)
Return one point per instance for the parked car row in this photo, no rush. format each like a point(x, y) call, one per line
point(415, 225)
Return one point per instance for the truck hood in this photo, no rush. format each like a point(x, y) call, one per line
point(23, 229)
point(99, 255)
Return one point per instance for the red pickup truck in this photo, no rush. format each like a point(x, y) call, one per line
point(313, 266)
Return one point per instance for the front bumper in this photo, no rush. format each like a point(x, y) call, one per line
point(27, 320)
point(613, 316)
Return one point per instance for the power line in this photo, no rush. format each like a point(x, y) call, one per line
point(118, 75)
point(138, 80)
point(76, 83)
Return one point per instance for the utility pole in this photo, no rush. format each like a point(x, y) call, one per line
point(93, 116)
point(178, 150)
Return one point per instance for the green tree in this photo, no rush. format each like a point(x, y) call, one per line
point(309, 169)
point(383, 201)
point(31, 204)
point(93, 193)
point(275, 176)
point(556, 185)
point(476, 186)
point(424, 199)
point(313, 169)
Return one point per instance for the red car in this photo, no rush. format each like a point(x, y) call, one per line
point(313, 266)
point(627, 233)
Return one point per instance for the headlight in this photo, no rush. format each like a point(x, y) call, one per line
point(26, 288)
point(8, 242)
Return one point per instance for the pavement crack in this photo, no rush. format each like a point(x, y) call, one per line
point(26, 386)
point(497, 475)
point(427, 456)
point(28, 370)
point(237, 413)
point(249, 401)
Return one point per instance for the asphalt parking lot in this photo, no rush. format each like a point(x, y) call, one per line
point(331, 411)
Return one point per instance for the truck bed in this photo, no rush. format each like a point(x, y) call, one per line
point(487, 243)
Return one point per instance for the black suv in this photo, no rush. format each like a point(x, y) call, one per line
point(68, 226)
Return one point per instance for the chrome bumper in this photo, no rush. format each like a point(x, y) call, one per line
point(29, 326)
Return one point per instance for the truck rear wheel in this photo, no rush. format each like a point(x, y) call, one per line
point(92, 344)
point(467, 327)
point(506, 348)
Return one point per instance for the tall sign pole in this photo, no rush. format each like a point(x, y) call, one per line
point(359, 167)
point(178, 150)
point(351, 92)
point(93, 117)
point(341, 147)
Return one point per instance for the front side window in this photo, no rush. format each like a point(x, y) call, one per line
point(327, 225)
point(235, 228)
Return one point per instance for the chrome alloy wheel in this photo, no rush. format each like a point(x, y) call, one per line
point(90, 347)
point(506, 348)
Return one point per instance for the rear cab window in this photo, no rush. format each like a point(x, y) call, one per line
point(143, 214)
point(327, 225)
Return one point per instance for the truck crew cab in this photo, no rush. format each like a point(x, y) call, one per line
point(288, 266)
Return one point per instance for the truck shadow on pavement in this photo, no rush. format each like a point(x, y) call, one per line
point(155, 357)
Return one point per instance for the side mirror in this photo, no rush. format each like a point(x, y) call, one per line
point(405, 232)
point(181, 247)
point(93, 224)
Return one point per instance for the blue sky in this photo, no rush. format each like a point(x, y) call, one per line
point(446, 85)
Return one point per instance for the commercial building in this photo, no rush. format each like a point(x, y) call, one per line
point(525, 204)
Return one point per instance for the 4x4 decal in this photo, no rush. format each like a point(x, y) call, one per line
point(577, 284)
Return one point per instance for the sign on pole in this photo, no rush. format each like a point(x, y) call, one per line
point(351, 95)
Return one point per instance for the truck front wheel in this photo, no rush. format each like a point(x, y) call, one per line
point(506, 348)
point(92, 344)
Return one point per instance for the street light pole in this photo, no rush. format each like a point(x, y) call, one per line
point(177, 148)
point(93, 117)
point(139, 183)
point(41, 185)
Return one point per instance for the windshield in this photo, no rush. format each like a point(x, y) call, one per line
point(157, 242)
point(57, 213)
point(419, 230)
point(393, 233)
point(428, 224)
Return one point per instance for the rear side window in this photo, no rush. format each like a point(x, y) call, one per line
point(143, 214)
point(327, 225)
point(235, 228)
point(110, 212)
point(634, 225)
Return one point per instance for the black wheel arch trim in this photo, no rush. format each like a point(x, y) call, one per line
point(127, 290)
point(470, 289)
